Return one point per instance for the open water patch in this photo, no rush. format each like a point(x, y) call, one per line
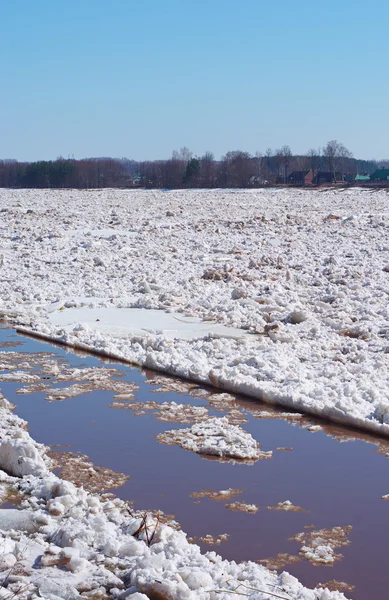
point(109, 423)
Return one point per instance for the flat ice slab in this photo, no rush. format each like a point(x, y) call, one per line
point(121, 322)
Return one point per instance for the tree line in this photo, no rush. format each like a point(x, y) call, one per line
point(236, 169)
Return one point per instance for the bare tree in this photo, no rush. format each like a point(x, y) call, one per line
point(258, 161)
point(208, 172)
point(184, 154)
point(313, 157)
point(286, 157)
point(283, 158)
point(175, 168)
point(335, 154)
point(268, 155)
point(237, 168)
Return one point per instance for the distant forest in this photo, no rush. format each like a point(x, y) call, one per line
point(237, 169)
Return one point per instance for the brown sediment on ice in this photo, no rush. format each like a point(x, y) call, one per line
point(10, 494)
point(286, 506)
point(33, 388)
point(80, 470)
point(236, 417)
point(200, 392)
point(223, 402)
point(277, 563)
point(293, 418)
point(127, 506)
point(41, 371)
point(336, 586)
point(319, 546)
point(12, 361)
point(221, 399)
point(284, 449)
point(163, 518)
point(243, 507)
point(159, 515)
point(123, 389)
point(267, 414)
point(382, 448)
point(126, 403)
point(29, 368)
point(312, 428)
point(169, 384)
point(72, 391)
point(217, 496)
point(19, 376)
point(167, 412)
point(10, 344)
point(210, 540)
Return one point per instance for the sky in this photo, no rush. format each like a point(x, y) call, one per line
point(140, 78)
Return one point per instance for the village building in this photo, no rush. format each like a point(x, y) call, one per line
point(322, 177)
point(380, 175)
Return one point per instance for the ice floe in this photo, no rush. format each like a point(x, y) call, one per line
point(67, 543)
point(319, 546)
point(280, 295)
point(286, 506)
point(216, 437)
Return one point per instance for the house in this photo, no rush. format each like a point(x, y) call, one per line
point(296, 177)
point(309, 177)
point(254, 180)
point(362, 178)
point(300, 177)
point(380, 175)
point(327, 177)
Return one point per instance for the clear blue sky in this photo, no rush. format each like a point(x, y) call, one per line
point(139, 78)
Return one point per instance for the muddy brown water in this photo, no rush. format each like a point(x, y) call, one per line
point(335, 474)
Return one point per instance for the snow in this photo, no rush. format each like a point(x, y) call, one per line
point(243, 507)
point(287, 506)
point(216, 437)
point(319, 546)
point(68, 543)
point(133, 322)
point(19, 453)
point(279, 294)
point(102, 233)
point(12, 519)
point(166, 411)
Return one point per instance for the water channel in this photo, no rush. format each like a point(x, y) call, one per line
point(337, 476)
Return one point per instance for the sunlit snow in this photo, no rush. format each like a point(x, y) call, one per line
point(125, 322)
point(278, 294)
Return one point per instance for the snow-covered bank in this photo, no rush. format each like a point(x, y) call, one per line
point(67, 543)
point(304, 273)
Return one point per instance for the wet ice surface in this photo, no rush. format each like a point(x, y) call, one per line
point(337, 485)
point(134, 321)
